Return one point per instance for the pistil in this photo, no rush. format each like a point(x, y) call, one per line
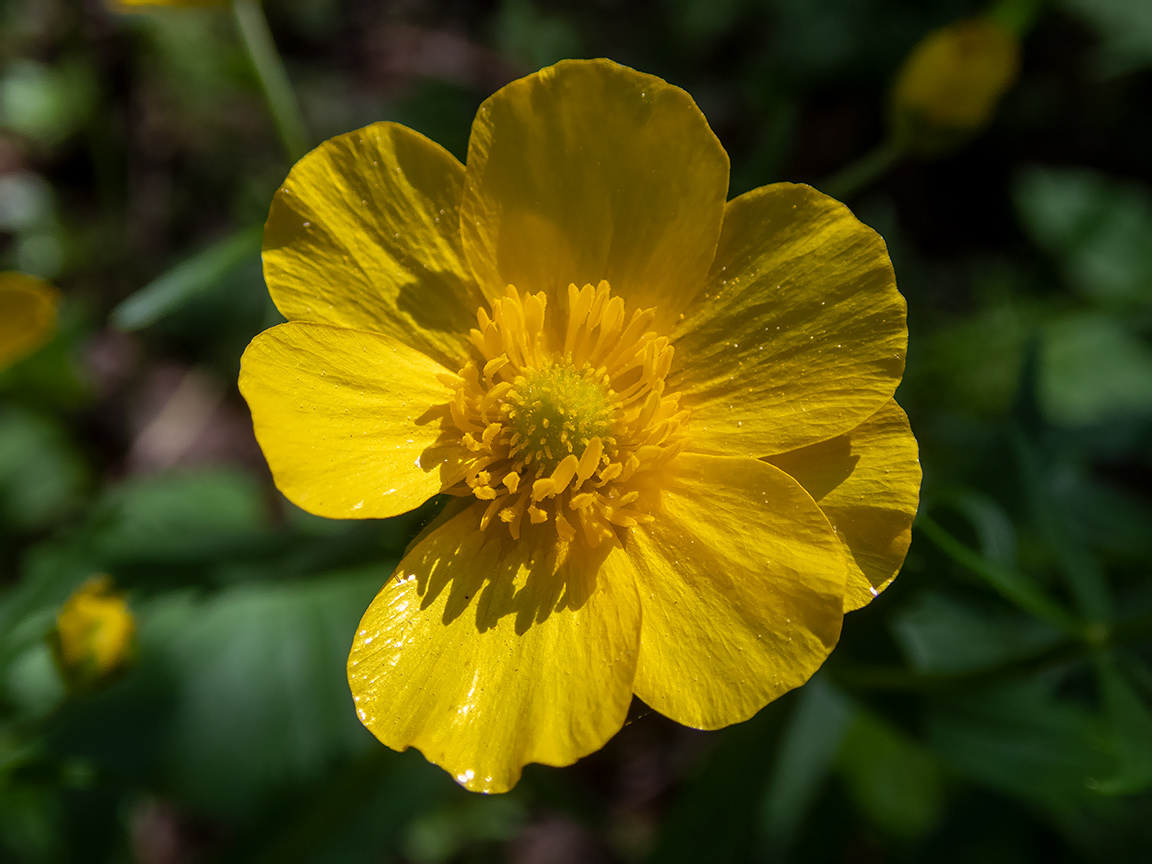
point(569, 431)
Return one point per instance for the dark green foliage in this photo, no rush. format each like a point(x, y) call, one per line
point(994, 705)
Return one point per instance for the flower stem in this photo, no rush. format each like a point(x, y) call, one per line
point(885, 677)
point(871, 166)
point(1017, 16)
point(1009, 584)
point(269, 69)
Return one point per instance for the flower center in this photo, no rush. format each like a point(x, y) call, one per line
point(556, 411)
point(567, 422)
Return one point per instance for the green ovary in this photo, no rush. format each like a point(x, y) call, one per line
point(556, 410)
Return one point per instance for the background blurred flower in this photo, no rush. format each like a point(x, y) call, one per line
point(617, 530)
point(95, 634)
point(28, 308)
point(951, 83)
point(133, 5)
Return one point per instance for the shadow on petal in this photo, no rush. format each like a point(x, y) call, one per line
point(867, 482)
point(445, 455)
point(530, 578)
point(822, 467)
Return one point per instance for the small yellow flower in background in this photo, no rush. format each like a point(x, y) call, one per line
point(132, 5)
point(667, 418)
point(28, 309)
point(95, 634)
point(950, 85)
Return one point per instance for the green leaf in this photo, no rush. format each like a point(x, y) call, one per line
point(46, 103)
point(445, 833)
point(1010, 583)
point(48, 574)
point(1125, 31)
point(1045, 487)
point(42, 478)
point(527, 34)
point(807, 750)
point(263, 703)
point(944, 636)
point(994, 529)
point(896, 782)
point(1129, 731)
point(33, 683)
point(975, 363)
point(186, 280)
point(1094, 369)
point(1095, 226)
point(369, 804)
point(716, 814)
point(1020, 739)
point(181, 515)
point(1114, 518)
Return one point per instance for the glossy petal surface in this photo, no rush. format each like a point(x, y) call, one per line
point(488, 654)
point(741, 579)
point(867, 482)
point(350, 422)
point(588, 171)
point(364, 233)
point(800, 333)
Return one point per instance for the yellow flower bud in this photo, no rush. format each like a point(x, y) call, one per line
point(951, 83)
point(133, 5)
point(27, 315)
point(95, 634)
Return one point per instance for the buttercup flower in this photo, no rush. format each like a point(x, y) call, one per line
point(95, 634)
point(133, 5)
point(951, 83)
point(28, 308)
point(666, 419)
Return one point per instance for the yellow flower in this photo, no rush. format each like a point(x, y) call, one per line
point(27, 315)
point(132, 5)
point(95, 634)
point(667, 419)
point(951, 83)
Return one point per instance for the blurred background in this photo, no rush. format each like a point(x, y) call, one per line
point(993, 705)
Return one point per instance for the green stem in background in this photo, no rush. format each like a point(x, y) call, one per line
point(865, 170)
point(269, 68)
point(1008, 583)
point(873, 676)
point(1016, 16)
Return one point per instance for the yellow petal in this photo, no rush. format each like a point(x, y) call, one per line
point(27, 315)
point(867, 482)
point(487, 654)
point(588, 170)
point(350, 422)
point(365, 234)
point(800, 333)
point(741, 581)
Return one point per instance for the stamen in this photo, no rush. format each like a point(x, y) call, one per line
point(565, 436)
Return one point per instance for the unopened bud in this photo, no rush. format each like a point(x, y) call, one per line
point(95, 634)
point(27, 315)
point(951, 83)
point(134, 5)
